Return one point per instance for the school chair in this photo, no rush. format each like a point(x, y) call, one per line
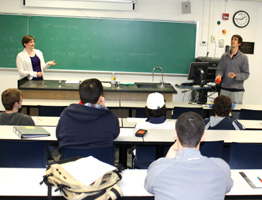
point(23, 154)
point(141, 113)
point(103, 154)
point(177, 111)
point(144, 156)
point(245, 156)
point(250, 114)
point(212, 149)
point(50, 110)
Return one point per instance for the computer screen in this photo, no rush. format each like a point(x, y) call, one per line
point(198, 72)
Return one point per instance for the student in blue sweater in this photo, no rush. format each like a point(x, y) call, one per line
point(90, 125)
point(221, 121)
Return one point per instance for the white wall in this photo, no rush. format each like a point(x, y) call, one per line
point(166, 10)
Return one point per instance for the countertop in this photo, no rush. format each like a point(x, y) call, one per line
point(62, 85)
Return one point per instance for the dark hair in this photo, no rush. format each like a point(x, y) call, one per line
point(10, 96)
point(240, 39)
point(156, 113)
point(90, 90)
point(222, 106)
point(26, 39)
point(190, 128)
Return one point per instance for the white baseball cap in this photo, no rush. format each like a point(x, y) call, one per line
point(155, 101)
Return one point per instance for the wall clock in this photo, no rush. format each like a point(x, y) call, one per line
point(241, 19)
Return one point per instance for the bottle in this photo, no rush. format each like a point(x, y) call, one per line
point(113, 78)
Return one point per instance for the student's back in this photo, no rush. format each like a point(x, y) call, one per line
point(189, 176)
point(16, 119)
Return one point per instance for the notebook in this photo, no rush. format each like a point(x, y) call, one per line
point(30, 131)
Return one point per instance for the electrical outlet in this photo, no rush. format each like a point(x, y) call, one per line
point(221, 43)
point(213, 38)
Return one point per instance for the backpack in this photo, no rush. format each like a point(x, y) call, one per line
point(104, 188)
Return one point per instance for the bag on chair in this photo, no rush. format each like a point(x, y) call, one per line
point(104, 188)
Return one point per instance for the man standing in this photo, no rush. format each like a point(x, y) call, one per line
point(12, 101)
point(89, 125)
point(233, 68)
point(185, 173)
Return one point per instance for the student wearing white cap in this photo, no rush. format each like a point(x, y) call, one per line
point(156, 112)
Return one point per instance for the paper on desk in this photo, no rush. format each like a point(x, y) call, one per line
point(87, 170)
point(254, 178)
point(106, 84)
point(36, 120)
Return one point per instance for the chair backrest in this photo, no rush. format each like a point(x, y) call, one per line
point(177, 111)
point(212, 149)
point(141, 113)
point(103, 154)
point(145, 155)
point(245, 156)
point(50, 110)
point(250, 114)
point(23, 154)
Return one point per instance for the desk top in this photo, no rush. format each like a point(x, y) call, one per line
point(131, 122)
point(25, 182)
point(53, 121)
point(45, 121)
point(251, 124)
point(58, 102)
point(127, 135)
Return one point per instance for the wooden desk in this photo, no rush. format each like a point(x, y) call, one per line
point(251, 124)
point(28, 103)
point(53, 121)
point(45, 121)
point(7, 133)
point(24, 182)
point(131, 122)
point(127, 136)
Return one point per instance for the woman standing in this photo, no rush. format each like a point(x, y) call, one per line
point(30, 62)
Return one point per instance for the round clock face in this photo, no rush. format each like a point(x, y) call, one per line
point(241, 19)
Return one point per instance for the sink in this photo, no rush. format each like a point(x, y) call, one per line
point(149, 85)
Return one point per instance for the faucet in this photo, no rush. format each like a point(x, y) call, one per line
point(162, 81)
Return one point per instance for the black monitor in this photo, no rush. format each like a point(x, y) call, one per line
point(198, 72)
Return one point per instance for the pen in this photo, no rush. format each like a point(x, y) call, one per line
point(259, 178)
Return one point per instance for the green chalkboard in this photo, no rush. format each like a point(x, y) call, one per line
point(12, 29)
point(104, 44)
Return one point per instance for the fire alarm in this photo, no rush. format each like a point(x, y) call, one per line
point(225, 16)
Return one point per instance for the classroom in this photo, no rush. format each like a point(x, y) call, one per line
point(211, 35)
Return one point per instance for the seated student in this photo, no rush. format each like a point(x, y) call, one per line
point(184, 173)
point(12, 101)
point(156, 112)
point(221, 121)
point(89, 125)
